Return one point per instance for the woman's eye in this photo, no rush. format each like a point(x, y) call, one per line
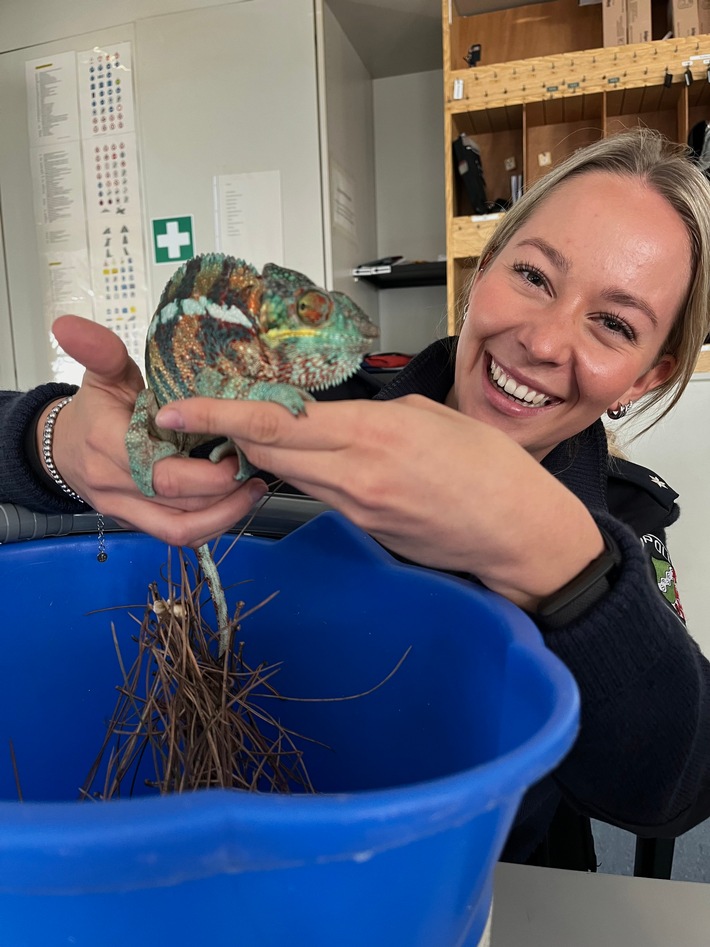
point(616, 325)
point(530, 274)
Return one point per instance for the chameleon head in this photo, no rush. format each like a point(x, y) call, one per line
point(316, 338)
point(221, 327)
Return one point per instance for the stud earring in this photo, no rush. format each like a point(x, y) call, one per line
point(619, 412)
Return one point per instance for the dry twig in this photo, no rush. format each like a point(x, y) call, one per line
point(199, 717)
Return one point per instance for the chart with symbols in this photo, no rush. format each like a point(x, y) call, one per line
point(112, 193)
point(118, 276)
point(85, 170)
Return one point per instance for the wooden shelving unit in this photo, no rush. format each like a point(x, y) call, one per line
point(535, 111)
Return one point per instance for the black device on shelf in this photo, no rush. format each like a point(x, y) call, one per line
point(467, 160)
point(402, 275)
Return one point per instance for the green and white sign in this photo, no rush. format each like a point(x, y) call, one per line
point(173, 240)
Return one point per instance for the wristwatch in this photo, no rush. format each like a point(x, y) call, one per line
point(584, 590)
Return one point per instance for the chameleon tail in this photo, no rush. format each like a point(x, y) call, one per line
point(209, 568)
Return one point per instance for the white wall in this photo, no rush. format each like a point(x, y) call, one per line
point(221, 92)
point(678, 450)
point(411, 220)
point(349, 152)
point(225, 88)
point(29, 22)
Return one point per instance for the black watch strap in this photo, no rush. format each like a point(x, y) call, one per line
point(584, 590)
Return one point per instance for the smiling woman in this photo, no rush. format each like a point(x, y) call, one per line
point(485, 456)
point(574, 308)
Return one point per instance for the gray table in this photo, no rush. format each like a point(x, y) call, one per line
point(547, 907)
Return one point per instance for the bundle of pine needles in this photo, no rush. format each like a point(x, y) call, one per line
point(199, 718)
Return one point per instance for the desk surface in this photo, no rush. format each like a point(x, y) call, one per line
point(546, 907)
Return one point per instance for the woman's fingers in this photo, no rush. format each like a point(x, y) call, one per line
point(90, 453)
point(259, 422)
point(179, 527)
point(267, 423)
point(177, 477)
point(98, 349)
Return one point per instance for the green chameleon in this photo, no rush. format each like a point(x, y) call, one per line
point(224, 330)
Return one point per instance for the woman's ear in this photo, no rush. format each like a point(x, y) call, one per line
point(657, 375)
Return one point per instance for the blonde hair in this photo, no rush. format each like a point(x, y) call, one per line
point(666, 167)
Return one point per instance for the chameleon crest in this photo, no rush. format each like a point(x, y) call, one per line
point(224, 330)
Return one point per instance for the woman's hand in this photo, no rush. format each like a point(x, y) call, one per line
point(195, 500)
point(426, 481)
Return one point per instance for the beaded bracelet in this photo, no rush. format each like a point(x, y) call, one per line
point(47, 438)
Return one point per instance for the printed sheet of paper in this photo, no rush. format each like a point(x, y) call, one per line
point(52, 114)
point(87, 197)
point(248, 216)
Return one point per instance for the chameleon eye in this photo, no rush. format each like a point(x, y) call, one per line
point(314, 308)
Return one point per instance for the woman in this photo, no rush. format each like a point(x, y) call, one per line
point(486, 456)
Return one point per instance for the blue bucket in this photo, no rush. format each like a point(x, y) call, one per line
point(417, 783)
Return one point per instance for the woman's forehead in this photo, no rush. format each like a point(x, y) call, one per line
point(607, 208)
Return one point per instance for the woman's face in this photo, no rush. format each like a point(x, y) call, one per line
point(569, 319)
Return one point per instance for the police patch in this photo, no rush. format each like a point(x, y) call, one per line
point(663, 572)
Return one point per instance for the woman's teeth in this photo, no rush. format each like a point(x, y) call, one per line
point(512, 388)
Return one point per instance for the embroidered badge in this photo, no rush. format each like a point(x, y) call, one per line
point(664, 572)
point(659, 482)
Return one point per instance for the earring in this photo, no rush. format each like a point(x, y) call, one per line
point(619, 412)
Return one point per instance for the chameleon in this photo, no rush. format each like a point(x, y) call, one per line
point(222, 329)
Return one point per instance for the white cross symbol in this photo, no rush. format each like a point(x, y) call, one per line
point(659, 482)
point(173, 239)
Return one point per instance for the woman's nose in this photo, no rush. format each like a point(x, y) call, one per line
point(549, 336)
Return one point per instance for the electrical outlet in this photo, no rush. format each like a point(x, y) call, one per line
point(544, 159)
point(510, 164)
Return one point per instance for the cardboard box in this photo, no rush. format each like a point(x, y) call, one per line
point(704, 16)
point(614, 22)
point(638, 20)
point(683, 17)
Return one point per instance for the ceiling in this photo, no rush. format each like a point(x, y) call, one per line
point(398, 37)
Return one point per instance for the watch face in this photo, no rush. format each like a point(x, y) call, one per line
point(664, 572)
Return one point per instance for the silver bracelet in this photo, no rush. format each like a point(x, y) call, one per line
point(47, 438)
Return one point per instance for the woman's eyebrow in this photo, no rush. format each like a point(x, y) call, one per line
point(558, 260)
point(623, 298)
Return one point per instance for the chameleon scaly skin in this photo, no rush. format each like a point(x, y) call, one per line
point(224, 330)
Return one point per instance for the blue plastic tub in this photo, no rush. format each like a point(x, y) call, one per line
point(419, 783)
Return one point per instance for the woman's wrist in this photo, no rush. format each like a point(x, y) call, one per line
point(553, 560)
point(46, 443)
point(587, 588)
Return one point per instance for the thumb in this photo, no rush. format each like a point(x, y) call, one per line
point(98, 349)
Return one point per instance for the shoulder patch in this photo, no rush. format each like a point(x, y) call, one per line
point(646, 479)
point(663, 572)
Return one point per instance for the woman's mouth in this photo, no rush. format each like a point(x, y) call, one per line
point(516, 390)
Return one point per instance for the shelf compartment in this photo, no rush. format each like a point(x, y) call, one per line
point(499, 136)
point(556, 129)
point(470, 234)
point(510, 34)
